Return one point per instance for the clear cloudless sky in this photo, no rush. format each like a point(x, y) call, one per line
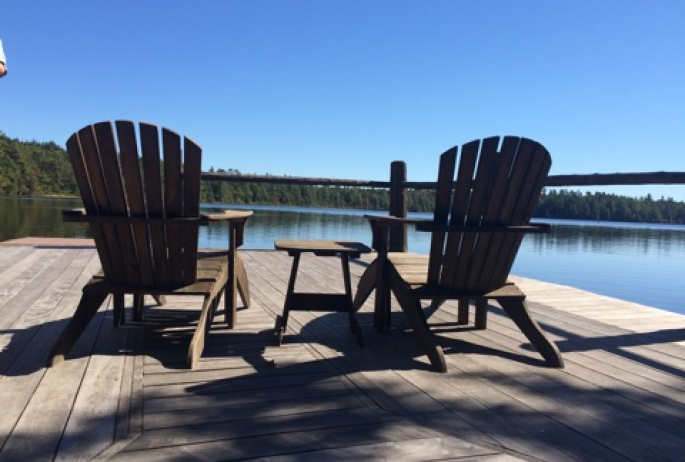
point(340, 88)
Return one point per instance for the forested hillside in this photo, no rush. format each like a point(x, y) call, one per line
point(42, 169)
point(34, 169)
point(574, 205)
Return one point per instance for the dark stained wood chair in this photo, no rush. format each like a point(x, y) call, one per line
point(478, 225)
point(144, 215)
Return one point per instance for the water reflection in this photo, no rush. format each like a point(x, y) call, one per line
point(637, 262)
point(22, 217)
point(605, 238)
point(268, 225)
point(640, 263)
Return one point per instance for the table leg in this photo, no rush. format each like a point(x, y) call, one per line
point(354, 324)
point(231, 293)
point(382, 303)
point(282, 320)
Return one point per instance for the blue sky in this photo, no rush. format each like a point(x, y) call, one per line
point(340, 88)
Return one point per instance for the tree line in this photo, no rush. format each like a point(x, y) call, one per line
point(34, 169)
point(42, 169)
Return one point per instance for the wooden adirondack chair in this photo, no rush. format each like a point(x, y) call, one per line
point(144, 216)
point(478, 224)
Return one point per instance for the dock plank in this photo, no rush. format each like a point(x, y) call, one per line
point(296, 444)
point(123, 394)
point(25, 357)
point(20, 289)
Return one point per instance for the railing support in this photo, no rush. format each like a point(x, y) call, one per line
point(398, 205)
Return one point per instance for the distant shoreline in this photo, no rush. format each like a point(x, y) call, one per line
point(595, 208)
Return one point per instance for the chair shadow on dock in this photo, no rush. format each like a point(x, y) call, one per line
point(26, 350)
point(177, 330)
point(320, 382)
point(622, 345)
point(249, 397)
point(618, 342)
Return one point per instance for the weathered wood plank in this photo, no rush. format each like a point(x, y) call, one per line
point(441, 448)
point(471, 397)
point(50, 407)
point(37, 433)
point(251, 383)
point(23, 377)
point(10, 255)
point(211, 397)
point(642, 433)
point(242, 411)
point(619, 398)
point(38, 275)
point(649, 370)
point(227, 374)
point(226, 358)
point(591, 348)
point(267, 425)
point(92, 423)
point(34, 307)
point(292, 442)
point(486, 419)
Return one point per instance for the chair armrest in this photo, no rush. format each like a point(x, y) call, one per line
point(236, 222)
point(388, 220)
point(530, 228)
point(381, 225)
point(72, 215)
point(80, 215)
point(226, 215)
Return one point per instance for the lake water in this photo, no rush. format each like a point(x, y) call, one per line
point(642, 263)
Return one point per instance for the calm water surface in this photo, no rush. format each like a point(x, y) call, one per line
point(642, 263)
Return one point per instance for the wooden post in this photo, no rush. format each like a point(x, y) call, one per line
point(398, 205)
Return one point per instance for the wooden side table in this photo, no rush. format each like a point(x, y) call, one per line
point(308, 301)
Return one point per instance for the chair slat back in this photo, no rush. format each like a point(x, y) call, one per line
point(120, 174)
point(496, 184)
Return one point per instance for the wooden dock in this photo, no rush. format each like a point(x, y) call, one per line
point(123, 395)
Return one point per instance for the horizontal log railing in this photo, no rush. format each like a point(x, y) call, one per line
point(296, 180)
point(398, 186)
point(594, 179)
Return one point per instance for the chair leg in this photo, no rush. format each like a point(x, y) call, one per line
point(481, 313)
point(281, 323)
point(160, 299)
point(118, 309)
point(230, 305)
point(231, 293)
point(87, 307)
point(518, 312)
point(366, 285)
point(237, 284)
point(382, 309)
point(138, 306)
point(412, 310)
point(463, 312)
point(243, 282)
point(354, 324)
point(237, 278)
point(437, 303)
point(197, 343)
